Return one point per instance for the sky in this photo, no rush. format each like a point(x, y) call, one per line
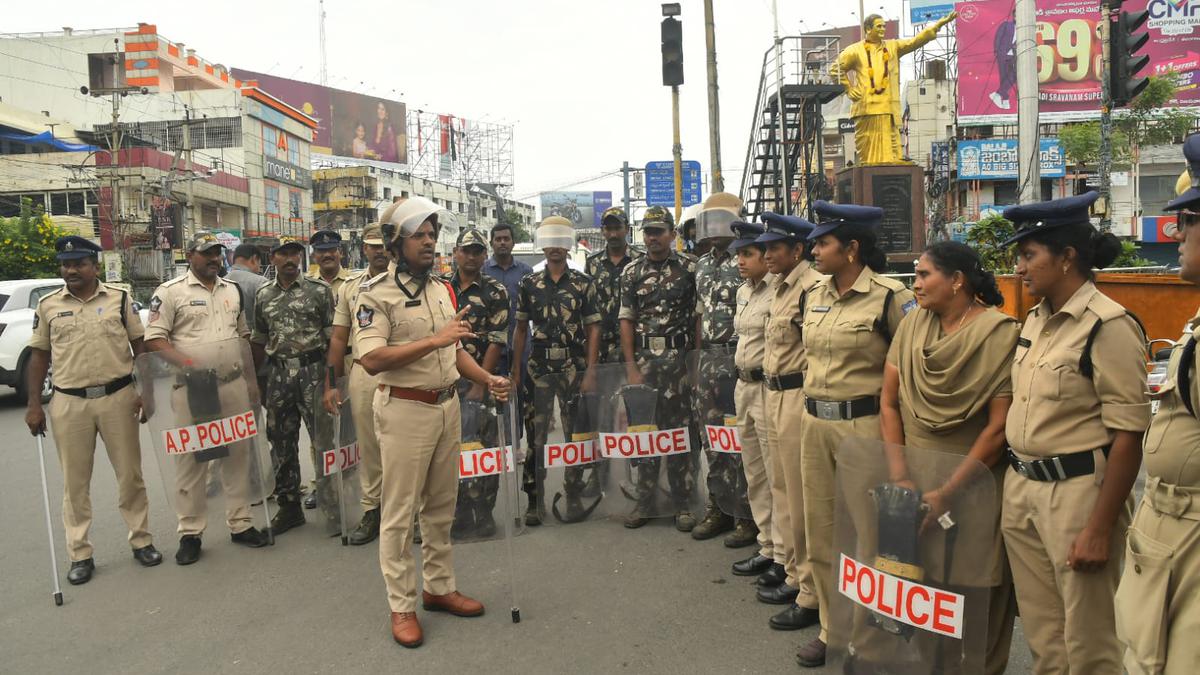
point(580, 80)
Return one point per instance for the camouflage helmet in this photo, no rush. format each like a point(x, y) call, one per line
point(658, 216)
point(716, 215)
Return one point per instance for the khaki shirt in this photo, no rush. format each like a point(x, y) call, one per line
point(1056, 409)
point(88, 340)
point(1173, 442)
point(750, 322)
point(387, 317)
point(785, 345)
point(185, 312)
point(846, 349)
point(345, 304)
point(338, 282)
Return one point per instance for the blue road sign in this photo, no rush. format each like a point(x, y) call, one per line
point(660, 183)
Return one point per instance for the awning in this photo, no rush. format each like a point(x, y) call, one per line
point(45, 138)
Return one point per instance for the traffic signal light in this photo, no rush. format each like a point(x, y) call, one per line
point(1124, 61)
point(672, 51)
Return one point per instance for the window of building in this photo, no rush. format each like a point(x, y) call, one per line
point(293, 150)
point(270, 140)
point(294, 204)
point(75, 204)
point(387, 193)
point(272, 196)
point(1155, 192)
point(1005, 192)
point(58, 203)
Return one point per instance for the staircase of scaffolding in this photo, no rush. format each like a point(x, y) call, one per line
point(786, 141)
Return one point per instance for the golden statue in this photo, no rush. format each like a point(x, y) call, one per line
point(875, 89)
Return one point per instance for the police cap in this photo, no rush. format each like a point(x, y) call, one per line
point(325, 239)
point(1045, 216)
point(75, 248)
point(833, 216)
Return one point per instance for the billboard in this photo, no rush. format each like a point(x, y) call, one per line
point(583, 209)
point(1069, 56)
point(348, 124)
point(996, 159)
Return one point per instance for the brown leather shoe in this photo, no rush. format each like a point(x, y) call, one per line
point(454, 602)
point(406, 630)
point(812, 655)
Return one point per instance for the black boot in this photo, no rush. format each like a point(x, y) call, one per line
point(289, 515)
point(368, 528)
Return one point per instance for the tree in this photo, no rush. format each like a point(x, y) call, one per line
point(1149, 121)
point(520, 232)
point(986, 238)
point(27, 244)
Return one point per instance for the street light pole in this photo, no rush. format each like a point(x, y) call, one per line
point(677, 152)
point(714, 110)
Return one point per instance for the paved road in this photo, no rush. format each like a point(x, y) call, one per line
point(593, 598)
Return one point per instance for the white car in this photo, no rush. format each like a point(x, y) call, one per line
point(18, 299)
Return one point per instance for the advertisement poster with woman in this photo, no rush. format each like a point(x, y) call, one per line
point(368, 128)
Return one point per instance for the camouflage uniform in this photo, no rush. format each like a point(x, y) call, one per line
point(717, 281)
point(558, 313)
point(607, 278)
point(295, 325)
point(488, 316)
point(660, 299)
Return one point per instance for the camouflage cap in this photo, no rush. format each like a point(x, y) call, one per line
point(287, 242)
point(658, 216)
point(372, 234)
point(616, 213)
point(203, 241)
point(471, 237)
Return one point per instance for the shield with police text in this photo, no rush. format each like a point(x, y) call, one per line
point(203, 414)
point(565, 416)
point(336, 458)
point(916, 552)
point(487, 474)
point(646, 440)
point(714, 378)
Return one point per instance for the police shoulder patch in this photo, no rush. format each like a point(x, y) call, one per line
point(908, 306)
point(155, 303)
point(365, 316)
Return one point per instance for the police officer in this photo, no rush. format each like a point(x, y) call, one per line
point(658, 302)
point(362, 385)
point(293, 321)
point(327, 254)
point(87, 329)
point(849, 320)
point(560, 303)
point(196, 308)
point(487, 303)
point(1157, 603)
point(717, 282)
point(1075, 430)
point(409, 335)
point(605, 267)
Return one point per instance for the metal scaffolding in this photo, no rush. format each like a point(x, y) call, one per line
point(459, 151)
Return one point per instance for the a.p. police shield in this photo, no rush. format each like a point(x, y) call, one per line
point(337, 458)
point(646, 440)
point(714, 378)
point(914, 559)
point(206, 424)
point(487, 475)
point(565, 418)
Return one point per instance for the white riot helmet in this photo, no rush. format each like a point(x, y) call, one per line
point(717, 215)
point(403, 218)
point(554, 232)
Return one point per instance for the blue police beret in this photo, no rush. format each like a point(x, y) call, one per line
point(75, 248)
point(325, 239)
point(1044, 216)
point(835, 215)
point(1191, 152)
point(747, 233)
point(779, 227)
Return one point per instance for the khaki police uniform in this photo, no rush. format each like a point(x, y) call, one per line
point(750, 323)
point(783, 369)
point(846, 338)
point(361, 388)
point(88, 341)
point(1158, 601)
point(185, 312)
point(419, 441)
point(344, 275)
point(1067, 616)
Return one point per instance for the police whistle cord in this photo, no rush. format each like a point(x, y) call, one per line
point(510, 502)
point(58, 596)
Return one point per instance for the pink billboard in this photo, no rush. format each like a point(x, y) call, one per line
point(1069, 56)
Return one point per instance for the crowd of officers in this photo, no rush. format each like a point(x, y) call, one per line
point(825, 349)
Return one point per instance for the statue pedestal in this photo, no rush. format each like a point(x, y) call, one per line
point(899, 189)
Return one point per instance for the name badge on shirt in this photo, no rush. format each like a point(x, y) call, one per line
point(1024, 342)
point(821, 309)
point(198, 303)
point(62, 314)
point(413, 303)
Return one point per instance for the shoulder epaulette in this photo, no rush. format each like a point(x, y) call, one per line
point(368, 283)
point(176, 280)
point(889, 283)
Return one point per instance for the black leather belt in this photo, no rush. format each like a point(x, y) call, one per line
point(1059, 467)
point(661, 341)
point(99, 390)
point(752, 375)
point(842, 410)
point(306, 359)
point(784, 382)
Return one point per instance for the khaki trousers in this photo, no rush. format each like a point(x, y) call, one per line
point(362, 386)
point(420, 445)
point(75, 421)
point(786, 410)
point(235, 471)
point(752, 430)
point(1067, 616)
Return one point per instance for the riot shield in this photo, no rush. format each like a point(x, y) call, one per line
point(646, 440)
point(336, 456)
point(913, 560)
point(205, 420)
point(483, 468)
point(564, 425)
point(714, 377)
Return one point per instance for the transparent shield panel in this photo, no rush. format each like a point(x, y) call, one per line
point(487, 473)
point(714, 378)
point(338, 459)
point(565, 420)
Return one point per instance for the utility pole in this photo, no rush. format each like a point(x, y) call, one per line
point(1105, 117)
point(189, 218)
point(785, 189)
point(625, 179)
point(324, 74)
point(714, 110)
point(1028, 146)
point(677, 152)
